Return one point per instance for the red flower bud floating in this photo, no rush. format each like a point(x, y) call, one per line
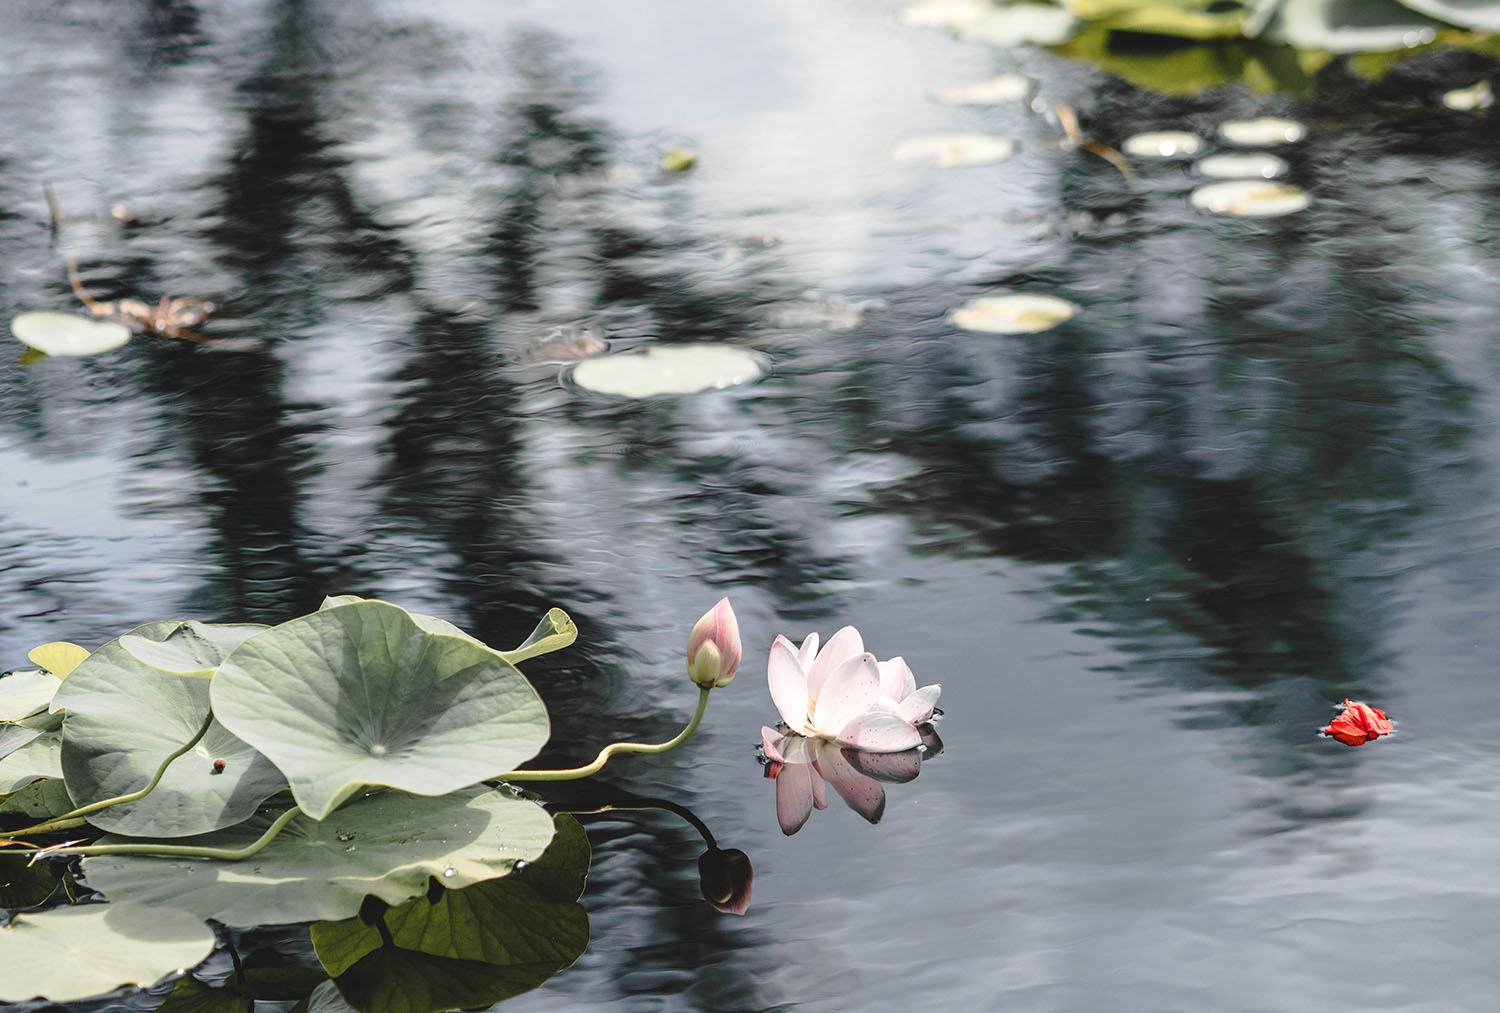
point(1360, 723)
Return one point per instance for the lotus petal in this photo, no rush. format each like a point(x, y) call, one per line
point(851, 690)
point(788, 684)
point(668, 369)
point(862, 794)
point(1013, 313)
point(794, 796)
point(918, 706)
point(1249, 198)
point(842, 646)
point(68, 334)
point(879, 732)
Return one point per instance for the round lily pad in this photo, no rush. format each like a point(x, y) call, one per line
point(37, 757)
point(997, 90)
point(668, 369)
point(1262, 131)
point(68, 333)
point(1249, 198)
point(1013, 313)
point(360, 694)
point(1241, 165)
point(123, 717)
point(1162, 144)
point(388, 844)
point(23, 694)
point(70, 953)
point(952, 151)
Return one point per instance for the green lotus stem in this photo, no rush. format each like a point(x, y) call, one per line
point(182, 850)
point(574, 773)
point(64, 821)
point(649, 805)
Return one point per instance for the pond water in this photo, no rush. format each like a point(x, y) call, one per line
point(1146, 552)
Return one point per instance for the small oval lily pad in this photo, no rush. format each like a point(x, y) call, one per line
point(1250, 198)
point(1163, 144)
point(1262, 131)
point(1013, 313)
point(668, 369)
point(953, 151)
point(71, 953)
point(1477, 96)
point(992, 91)
point(68, 333)
point(1241, 165)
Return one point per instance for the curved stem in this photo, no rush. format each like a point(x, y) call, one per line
point(66, 820)
point(182, 850)
point(574, 773)
point(648, 805)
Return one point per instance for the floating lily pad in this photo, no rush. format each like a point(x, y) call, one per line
point(388, 844)
point(58, 657)
point(193, 649)
point(360, 694)
point(41, 757)
point(553, 632)
point(124, 717)
point(1480, 14)
point(1476, 96)
point(71, 953)
point(952, 151)
point(40, 800)
point(1351, 26)
point(68, 334)
point(1241, 165)
point(1014, 313)
point(1249, 198)
point(1184, 19)
point(1262, 131)
point(668, 369)
point(13, 737)
point(23, 694)
point(1162, 144)
point(998, 90)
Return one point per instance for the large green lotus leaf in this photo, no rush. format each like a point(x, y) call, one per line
point(71, 953)
point(359, 694)
point(388, 844)
point(24, 884)
point(124, 717)
point(193, 649)
point(39, 758)
point(23, 694)
point(393, 980)
point(1350, 26)
point(239, 992)
point(530, 917)
point(13, 737)
point(39, 800)
point(555, 631)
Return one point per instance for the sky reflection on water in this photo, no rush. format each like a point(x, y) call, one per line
point(1146, 553)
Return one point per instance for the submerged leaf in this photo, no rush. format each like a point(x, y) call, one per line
point(361, 694)
point(388, 844)
point(71, 953)
point(68, 333)
point(668, 369)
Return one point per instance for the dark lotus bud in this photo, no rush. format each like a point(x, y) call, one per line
point(725, 878)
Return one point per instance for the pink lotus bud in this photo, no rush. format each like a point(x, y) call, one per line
point(713, 651)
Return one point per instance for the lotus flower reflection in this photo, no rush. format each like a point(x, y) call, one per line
point(849, 720)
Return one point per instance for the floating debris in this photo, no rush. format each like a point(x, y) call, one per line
point(68, 334)
point(1262, 131)
point(668, 369)
point(567, 344)
point(1237, 165)
point(1477, 96)
point(1249, 198)
point(1163, 144)
point(1013, 313)
point(678, 159)
point(993, 91)
point(957, 150)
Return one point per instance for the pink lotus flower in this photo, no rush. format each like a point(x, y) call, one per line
point(842, 694)
point(713, 650)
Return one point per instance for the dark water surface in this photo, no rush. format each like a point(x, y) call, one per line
point(1145, 553)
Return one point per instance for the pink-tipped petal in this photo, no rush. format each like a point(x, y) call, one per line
point(918, 706)
point(850, 691)
point(808, 651)
point(862, 794)
point(842, 646)
point(878, 732)
point(794, 796)
point(896, 680)
point(796, 749)
point(893, 768)
point(788, 685)
point(820, 793)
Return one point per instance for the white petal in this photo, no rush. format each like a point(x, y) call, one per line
point(850, 691)
point(788, 684)
point(794, 796)
point(877, 732)
point(918, 706)
point(808, 651)
point(896, 680)
point(862, 794)
point(820, 793)
point(770, 742)
point(842, 646)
